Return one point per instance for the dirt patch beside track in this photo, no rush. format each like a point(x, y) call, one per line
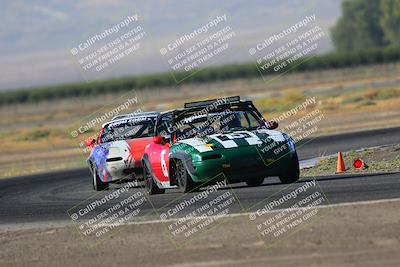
point(355, 235)
point(378, 159)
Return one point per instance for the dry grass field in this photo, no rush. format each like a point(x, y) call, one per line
point(36, 137)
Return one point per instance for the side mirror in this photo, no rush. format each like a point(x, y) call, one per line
point(90, 142)
point(271, 125)
point(159, 140)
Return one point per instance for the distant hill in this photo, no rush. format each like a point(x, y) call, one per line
point(36, 36)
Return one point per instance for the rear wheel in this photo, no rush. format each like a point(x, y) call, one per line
point(293, 171)
point(255, 182)
point(98, 184)
point(185, 182)
point(149, 184)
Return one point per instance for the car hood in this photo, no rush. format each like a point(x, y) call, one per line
point(234, 139)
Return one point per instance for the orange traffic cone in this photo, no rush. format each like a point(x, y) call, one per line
point(340, 163)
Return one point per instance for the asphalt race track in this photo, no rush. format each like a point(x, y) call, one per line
point(48, 197)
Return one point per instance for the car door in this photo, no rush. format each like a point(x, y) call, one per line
point(158, 157)
point(158, 152)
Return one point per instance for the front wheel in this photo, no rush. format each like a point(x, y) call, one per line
point(292, 173)
point(98, 184)
point(255, 181)
point(185, 182)
point(149, 185)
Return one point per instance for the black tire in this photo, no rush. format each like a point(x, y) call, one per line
point(98, 184)
point(293, 171)
point(255, 182)
point(150, 186)
point(184, 180)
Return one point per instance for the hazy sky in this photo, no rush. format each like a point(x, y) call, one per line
point(37, 36)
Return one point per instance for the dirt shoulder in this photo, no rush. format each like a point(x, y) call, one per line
point(378, 159)
point(355, 235)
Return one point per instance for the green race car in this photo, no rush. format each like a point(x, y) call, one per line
point(212, 140)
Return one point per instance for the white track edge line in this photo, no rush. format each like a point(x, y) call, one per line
point(344, 204)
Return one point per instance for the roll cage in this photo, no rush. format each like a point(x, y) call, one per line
point(168, 122)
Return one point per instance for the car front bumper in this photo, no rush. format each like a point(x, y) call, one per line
point(245, 163)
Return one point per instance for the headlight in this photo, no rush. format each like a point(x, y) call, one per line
point(196, 157)
point(113, 150)
point(290, 143)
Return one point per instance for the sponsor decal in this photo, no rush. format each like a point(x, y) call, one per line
point(197, 143)
point(228, 140)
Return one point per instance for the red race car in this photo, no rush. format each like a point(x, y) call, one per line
point(117, 153)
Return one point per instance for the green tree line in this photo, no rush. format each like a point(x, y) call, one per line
point(367, 23)
point(85, 89)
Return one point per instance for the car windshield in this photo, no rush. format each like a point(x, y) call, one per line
point(128, 129)
point(223, 122)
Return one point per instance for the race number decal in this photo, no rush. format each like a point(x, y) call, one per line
point(164, 163)
point(224, 140)
point(227, 140)
point(233, 136)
